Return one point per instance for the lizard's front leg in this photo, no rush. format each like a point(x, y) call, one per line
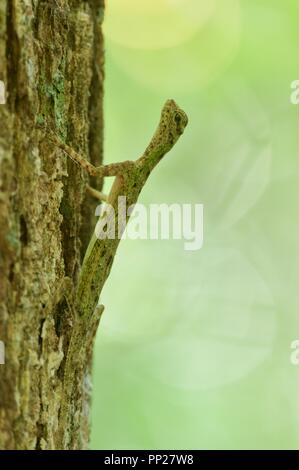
point(112, 169)
point(96, 194)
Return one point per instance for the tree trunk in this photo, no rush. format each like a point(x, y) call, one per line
point(51, 62)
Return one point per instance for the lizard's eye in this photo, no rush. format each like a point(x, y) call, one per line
point(177, 118)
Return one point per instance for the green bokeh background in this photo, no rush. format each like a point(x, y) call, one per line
point(193, 350)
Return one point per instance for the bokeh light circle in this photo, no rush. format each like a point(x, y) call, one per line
point(155, 24)
point(193, 56)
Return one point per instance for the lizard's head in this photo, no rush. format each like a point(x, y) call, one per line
point(174, 119)
point(172, 124)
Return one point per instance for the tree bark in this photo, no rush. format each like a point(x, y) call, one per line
point(51, 61)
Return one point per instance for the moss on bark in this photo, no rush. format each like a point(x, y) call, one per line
point(51, 61)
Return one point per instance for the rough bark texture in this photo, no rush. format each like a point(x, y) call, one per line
point(51, 60)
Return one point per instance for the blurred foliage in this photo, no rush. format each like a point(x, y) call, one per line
point(193, 349)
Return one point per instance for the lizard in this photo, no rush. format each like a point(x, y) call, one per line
point(130, 177)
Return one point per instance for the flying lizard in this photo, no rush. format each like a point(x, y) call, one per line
point(130, 177)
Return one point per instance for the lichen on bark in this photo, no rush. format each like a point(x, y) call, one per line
point(51, 61)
